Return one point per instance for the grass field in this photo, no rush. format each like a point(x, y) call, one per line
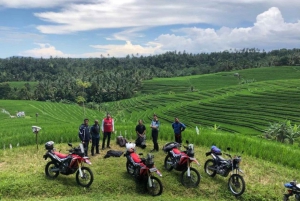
point(228, 112)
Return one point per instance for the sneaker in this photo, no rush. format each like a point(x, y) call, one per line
point(109, 147)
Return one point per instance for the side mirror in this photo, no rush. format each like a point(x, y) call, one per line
point(70, 144)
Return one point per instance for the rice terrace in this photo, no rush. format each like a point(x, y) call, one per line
point(218, 108)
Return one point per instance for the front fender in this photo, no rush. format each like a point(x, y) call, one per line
point(195, 161)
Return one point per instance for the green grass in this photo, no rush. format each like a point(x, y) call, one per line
point(27, 181)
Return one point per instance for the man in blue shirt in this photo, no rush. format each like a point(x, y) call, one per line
point(178, 127)
point(95, 132)
point(155, 128)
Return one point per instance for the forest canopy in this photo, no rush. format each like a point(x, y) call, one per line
point(103, 79)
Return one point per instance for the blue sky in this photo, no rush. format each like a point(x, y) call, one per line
point(91, 28)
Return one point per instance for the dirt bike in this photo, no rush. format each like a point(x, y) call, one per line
point(142, 169)
point(221, 166)
point(67, 164)
point(181, 161)
point(292, 189)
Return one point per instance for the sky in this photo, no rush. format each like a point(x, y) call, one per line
point(117, 28)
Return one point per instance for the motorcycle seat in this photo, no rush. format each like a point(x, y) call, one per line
point(221, 158)
point(60, 155)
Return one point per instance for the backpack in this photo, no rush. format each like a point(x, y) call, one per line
point(121, 141)
point(113, 153)
point(216, 150)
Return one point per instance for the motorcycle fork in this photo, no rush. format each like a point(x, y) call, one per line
point(149, 179)
point(79, 169)
point(188, 168)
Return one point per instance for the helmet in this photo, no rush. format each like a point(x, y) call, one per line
point(130, 146)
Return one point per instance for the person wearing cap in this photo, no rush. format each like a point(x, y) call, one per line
point(84, 135)
point(155, 128)
point(95, 132)
point(107, 128)
point(178, 127)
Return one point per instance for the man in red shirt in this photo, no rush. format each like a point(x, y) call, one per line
point(107, 128)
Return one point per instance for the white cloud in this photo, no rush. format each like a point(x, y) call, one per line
point(104, 14)
point(44, 50)
point(268, 31)
point(123, 50)
point(40, 3)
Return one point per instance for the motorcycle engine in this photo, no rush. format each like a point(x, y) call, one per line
point(222, 169)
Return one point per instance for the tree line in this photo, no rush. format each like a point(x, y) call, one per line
point(103, 79)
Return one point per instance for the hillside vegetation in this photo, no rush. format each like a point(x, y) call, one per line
point(229, 111)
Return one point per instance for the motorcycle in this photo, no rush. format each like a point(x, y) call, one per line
point(292, 189)
point(143, 169)
point(181, 161)
point(67, 164)
point(221, 166)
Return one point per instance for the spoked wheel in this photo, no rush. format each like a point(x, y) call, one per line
point(190, 181)
point(51, 170)
point(154, 186)
point(130, 168)
point(209, 168)
point(168, 163)
point(87, 177)
point(236, 184)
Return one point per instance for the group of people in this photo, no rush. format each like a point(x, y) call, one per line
point(92, 134)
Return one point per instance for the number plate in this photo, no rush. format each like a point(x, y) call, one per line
point(153, 169)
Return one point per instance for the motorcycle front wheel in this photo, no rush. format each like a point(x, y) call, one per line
point(168, 163)
point(50, 166)
point(190, 181)
point(87, 177)
point(236, 184)
point(130, 168)
point(154, 187)
point(209, 168)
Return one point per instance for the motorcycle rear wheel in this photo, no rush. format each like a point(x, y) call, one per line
point(236, 184)
point(286, 198)
point(50, 174)
point(156, 188)
point(168, 163)
point(210, 163)
point(87, 177)
point(190, 181)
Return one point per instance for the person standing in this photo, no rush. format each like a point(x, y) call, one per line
point(140, 130)
point(155, 128)
point(178, 127)
point(84, 135)
point(107, 128)
point(95, 132)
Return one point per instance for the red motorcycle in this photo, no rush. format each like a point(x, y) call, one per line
point(143, 169)
point(181, 161)
point(67, 164)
